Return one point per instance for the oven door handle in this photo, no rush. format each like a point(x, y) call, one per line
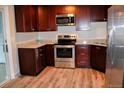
point(64, 46)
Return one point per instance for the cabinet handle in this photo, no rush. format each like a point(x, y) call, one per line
point(33, 29)
point(40, 50)
point(41, 54)
point(98, 48)
point(82, 62)
point(48, 29)
point(104, 19)
point(83, 54)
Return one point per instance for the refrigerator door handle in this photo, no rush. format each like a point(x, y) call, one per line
point(110, 46)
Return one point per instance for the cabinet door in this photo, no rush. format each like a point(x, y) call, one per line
point(99, 13)
point(27, 61)
point(33, 17)
point(98, 57)
point(19, 18)
point(25, 16)
point(50, 55)
point(38, 60)
point(60, 9)
point(82, 56)
point(65, 9)
point(51, 18)
point(42, 57)
point(42, 18)
point(82, 18)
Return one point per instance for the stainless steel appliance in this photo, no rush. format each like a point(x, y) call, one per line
point(65, 51)
point(65, 20)
point(115, 52)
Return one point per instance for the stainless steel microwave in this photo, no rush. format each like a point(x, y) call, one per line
point(65, 20)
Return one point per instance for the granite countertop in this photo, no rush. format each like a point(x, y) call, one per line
point(34, 43)
point(39, 43)
point(99, 42)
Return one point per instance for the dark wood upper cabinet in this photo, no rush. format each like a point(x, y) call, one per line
point(19, 18)
point(65, 9)
point(30, 18)
point(51, 18)
point(33, 16)
point(98, 57)
point(60, 9)
point(82, 17)
point(99, 12)
point(25, 16)
point(46, 18)
point(42, 18)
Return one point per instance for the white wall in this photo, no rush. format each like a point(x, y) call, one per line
point(26, 36)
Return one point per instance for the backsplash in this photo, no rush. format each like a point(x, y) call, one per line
point(26, 36)
point(98, 31)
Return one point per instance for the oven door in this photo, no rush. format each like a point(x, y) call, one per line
point(64, 53)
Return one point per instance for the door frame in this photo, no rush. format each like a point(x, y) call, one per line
point(6, 53)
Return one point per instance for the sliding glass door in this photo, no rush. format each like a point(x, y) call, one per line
point(3, 51)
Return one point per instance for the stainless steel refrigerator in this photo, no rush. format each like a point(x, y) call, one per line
point(115, 52)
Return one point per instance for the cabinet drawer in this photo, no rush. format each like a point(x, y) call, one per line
point(82, 49)
point(82, 63)
point(82, 56)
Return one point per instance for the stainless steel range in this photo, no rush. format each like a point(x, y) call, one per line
point(65, 51)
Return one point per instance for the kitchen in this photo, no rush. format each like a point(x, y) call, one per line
point(52, 40)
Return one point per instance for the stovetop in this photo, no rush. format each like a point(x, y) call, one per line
point(66, 40)
point(64, 44)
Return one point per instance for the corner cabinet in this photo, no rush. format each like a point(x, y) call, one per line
point(82, 57)
point(26, 18)
point(31, 61)
point(98, 57)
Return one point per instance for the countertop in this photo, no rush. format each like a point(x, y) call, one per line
point(34, 43)
point(99, 42)
point(39, 43)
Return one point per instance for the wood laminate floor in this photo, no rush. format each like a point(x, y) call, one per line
point(52, 77)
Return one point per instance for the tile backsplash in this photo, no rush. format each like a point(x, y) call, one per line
point(98, 31)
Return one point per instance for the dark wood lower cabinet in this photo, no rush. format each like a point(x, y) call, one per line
point(50, 55)
point(82, 56)
point(31, 61)
point(98, 57)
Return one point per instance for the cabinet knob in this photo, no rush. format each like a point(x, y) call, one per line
point(98, 48)
point(83, 54)
point(40, 50)
point(33, 29)
point(104, 19)
point(82, 62)
point(41, 54)
point(48, 29)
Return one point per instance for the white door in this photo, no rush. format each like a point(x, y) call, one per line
point(3, 51)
